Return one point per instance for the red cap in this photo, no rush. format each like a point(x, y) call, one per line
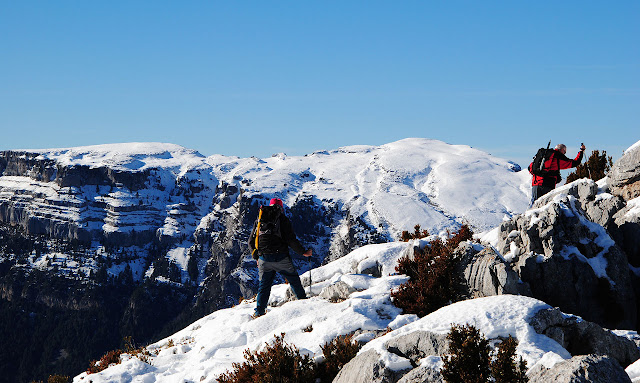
point(275, 201)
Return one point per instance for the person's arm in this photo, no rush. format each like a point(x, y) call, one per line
point(565, 163)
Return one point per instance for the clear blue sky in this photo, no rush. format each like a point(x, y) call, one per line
point(258, 77)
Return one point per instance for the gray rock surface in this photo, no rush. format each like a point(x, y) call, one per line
point(581, 369)
point(367, 366)
point(581, 337)
point(337, 292)
point(569, 261)
point(625, 175)
point(487, 274)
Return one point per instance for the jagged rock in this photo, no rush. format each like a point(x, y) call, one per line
point(569, 261)
point(367, 366)
point(337, 292)
point(581, 337)
point(625, 175)
point(487, 274)
point(579, 369)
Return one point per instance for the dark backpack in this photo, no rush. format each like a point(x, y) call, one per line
point(537, 167)
point(268, 227)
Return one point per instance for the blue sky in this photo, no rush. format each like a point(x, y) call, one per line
point(258, 77)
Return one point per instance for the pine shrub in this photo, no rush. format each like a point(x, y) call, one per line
point(337, 353)
point(432, 280)
point(279, 362)
point(504, 367)
point(595, 167)
point(469, 358)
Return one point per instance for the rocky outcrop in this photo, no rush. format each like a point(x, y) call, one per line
point(368, 367)
point(581, 369)
point(569, 261)
point(581, 337)
point(486, 273)
point(624, 176)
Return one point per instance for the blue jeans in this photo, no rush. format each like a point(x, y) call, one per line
point(268, 270)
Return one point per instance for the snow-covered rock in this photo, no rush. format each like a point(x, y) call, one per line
point(625, 174)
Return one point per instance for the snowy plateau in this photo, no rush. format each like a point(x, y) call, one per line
point(174, 218)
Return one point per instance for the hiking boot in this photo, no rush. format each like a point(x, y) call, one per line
point(256, 314)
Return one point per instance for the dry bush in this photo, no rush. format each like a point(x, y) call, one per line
point(432, 280)
point(417, 234)
point(111, 357)
point(279, 362)
point(595, 167)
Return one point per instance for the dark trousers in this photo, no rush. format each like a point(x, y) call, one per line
point(267, 271)
point(537, 192)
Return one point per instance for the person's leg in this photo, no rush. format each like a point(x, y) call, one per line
point(287, 270)
point(266, 274)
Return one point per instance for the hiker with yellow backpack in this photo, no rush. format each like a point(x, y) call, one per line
point(270, 239)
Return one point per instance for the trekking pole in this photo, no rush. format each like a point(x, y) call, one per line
point(309, 276)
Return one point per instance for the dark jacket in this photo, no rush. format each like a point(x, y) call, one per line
point(552, 166)
point(273, 244)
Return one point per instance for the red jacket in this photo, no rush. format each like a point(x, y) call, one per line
point(556, 161)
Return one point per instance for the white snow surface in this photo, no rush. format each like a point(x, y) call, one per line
point(208, 347)
point(438, 185)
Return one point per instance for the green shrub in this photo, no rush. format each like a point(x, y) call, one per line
point(337, 353)
point(433, 282)
point(504, 367)
point(470, 359)
point(278, 363)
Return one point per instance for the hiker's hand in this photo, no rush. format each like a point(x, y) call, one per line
point(582, 148)
point(308, 253)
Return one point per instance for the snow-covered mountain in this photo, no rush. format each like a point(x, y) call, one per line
point(554, 344)
point(129, 195)
point(155, 234)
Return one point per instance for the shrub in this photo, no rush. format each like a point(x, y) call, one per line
point(503, 366)
point(279, 362)
point(432, 280)
point(111, 357)
point(337, 353)
point(469, 359)
point(58, 379)
point(417, 234)
point(595, 167)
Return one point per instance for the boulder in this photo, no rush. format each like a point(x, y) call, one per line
point(368, 365)
point(579, 369)
point(581, 337)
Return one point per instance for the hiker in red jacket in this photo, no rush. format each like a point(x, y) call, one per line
point(270, 239)
point(557, 160)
